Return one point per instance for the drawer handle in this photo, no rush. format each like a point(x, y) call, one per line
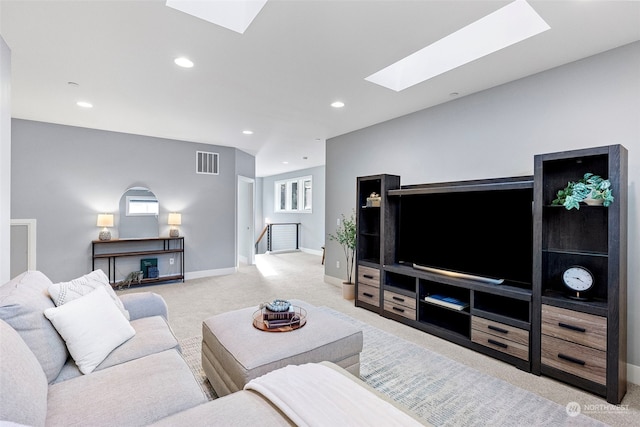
point(398, 299)
point(398, 309)
point(495, 328)
point(367, 276)
point(571, 327)
point(368, 295)
point(499, 344)
point(571, 359)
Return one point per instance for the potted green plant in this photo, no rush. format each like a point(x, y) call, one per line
point(591, 189)
point(345, 235)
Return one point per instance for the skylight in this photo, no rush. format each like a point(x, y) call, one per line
point(234, 15)
point(509, 25)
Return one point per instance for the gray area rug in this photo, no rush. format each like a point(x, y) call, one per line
point(439, 390)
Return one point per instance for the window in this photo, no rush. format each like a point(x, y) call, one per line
point(293, 195)
point(306, 198)
point(142, 206)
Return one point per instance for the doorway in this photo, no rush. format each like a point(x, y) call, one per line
point(245, 221)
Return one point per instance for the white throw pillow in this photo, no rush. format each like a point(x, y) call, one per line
point(64, 292)
point(91, 326)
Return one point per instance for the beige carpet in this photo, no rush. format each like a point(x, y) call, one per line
point(301, 276)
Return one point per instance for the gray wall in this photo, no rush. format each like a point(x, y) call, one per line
point(312, 235)
point(496, 133)
point(64, 176)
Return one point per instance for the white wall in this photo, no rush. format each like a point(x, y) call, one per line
point(496, 133)
point(5, 161)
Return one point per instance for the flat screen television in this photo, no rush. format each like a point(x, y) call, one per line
point(485, 233)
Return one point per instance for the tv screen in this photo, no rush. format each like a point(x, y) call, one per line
point(483, 233)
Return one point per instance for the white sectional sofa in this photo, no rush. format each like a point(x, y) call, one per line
point(144, 380)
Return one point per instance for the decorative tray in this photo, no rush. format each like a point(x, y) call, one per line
point(292, 319)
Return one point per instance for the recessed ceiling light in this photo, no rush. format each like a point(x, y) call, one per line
point(183, 62)
point(84, 104)
point(247, 132)
point(285, 163)
point(234, 15)
point(511, 24)
point(337, 104)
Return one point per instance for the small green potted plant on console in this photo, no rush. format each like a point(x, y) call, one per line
point(590, 189)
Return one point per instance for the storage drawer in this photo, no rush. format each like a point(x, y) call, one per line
point(500, 330)
point(399, 299)
point(369, 276)
point(573, 326)
point(575, 359)
point(404, 311)
point(521, 351)
point(369, 294)
point(400, 304)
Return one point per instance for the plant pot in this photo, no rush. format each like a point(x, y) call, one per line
point(348, 290)
point(593, 202)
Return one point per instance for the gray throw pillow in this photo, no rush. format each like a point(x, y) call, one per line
point(23, 301)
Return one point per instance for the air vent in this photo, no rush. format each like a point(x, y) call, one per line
point(207, 163)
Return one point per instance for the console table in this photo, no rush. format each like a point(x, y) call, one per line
point(111, 250)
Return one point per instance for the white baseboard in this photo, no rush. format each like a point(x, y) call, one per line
point(633, 373)
point(307, 250)
point(209, 273)
point(312, 251)
point(333, 281)
point(282, 251)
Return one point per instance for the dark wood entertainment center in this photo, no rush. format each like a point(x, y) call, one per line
point(526, 321)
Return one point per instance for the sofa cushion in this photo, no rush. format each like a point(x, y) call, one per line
point(23, 301)
point(64, 292)
point(22, 381)
point(144, 304)
point(242, 408)
point(138, 392)
point(153, 335)
point(91, 326)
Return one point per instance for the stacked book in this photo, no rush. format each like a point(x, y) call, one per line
point(278, 319)
point(449, 302)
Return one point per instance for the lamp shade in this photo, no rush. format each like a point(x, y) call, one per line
point(175, 219)
point(105, 220)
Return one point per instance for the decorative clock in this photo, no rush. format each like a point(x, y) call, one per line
point(578, 281)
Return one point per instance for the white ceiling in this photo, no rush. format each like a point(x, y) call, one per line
point(279, 77)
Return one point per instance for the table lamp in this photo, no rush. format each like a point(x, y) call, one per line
point(174, 219)
point(104, 221)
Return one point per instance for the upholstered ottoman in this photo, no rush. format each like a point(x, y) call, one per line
point(235, 352)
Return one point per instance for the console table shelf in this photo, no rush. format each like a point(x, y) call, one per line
point(111, 250)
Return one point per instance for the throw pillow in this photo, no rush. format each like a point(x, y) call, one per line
point(22, 301)
point(91, 326)
point(64, 292)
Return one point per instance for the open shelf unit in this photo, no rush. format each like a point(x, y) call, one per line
point(487, 307)
point(594, 237)
point(527, 320)
point(375, 231)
